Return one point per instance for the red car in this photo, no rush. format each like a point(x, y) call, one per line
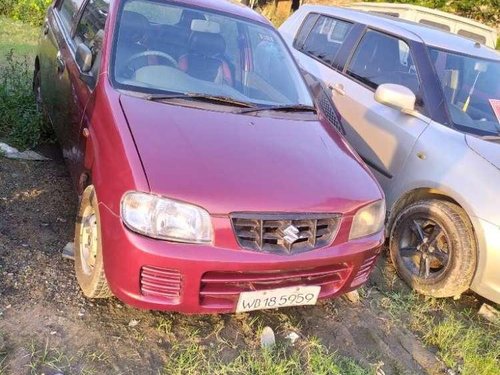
point(209, 179)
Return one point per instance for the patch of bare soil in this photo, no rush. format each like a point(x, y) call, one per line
point(47, 326)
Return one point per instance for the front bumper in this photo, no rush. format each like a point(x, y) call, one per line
point(486, 281)
point(152, 274)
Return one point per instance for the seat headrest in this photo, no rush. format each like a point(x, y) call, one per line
point(133, 26)
point(207, 44)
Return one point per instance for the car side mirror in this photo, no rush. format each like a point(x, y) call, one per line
point(396, 96)
point(83, 57)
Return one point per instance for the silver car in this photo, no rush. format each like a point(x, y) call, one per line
point(422, 108)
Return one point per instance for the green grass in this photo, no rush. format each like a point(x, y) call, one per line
point(3, 355)
point(21, 124)
point(465, 342)
point(310, 358)
point(17, 36)
point(46, 359)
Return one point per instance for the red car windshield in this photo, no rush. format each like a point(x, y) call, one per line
point(163, 47)
point(472, 89)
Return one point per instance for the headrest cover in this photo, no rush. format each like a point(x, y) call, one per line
point(207, 44)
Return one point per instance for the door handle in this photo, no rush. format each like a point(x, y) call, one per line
point(338, 88)
point(61, 65)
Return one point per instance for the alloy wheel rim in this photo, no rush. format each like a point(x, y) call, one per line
point(424, 247)
point(88, 240)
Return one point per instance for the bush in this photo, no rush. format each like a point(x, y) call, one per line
point(30, 11)
point(20, 121)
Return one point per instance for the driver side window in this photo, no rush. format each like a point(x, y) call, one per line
point(381, 58)
point(90, 29)
point(68, 10)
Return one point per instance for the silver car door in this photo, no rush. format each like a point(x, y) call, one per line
point(383, 136)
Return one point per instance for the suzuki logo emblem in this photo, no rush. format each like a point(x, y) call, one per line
point(291, 234)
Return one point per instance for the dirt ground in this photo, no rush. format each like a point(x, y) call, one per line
point(47, 326)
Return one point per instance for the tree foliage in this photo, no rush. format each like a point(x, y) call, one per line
point(485, 11)
point(30, 11)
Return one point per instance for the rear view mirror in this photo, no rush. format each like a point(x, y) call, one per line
point(83, 58)
point(396, 96)
point(204, 26)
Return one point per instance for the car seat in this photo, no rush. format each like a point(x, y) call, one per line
point(205, 59)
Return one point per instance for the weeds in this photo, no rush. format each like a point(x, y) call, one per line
point(464, 343)
point(3, 356)
point(20, 121)
point(283, 359)
point(47, 359)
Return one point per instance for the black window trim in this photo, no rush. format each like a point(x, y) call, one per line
point(433, 111)
point(74, 22)
point(423, 107)
point(334, 64)
point(68, 35)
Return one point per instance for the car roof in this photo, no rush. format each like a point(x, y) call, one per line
point(383, 7)
point(231, 7)
point(432, 37)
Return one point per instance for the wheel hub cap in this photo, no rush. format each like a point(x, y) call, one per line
point(424, 247)
point(88, 240)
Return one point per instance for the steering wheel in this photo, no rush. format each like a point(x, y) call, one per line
point(159, 54)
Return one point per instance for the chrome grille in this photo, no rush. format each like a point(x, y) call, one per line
point(276, 233)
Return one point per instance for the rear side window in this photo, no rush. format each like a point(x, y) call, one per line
point(90, 29)
point(380, 58)
point(68, 10)
point(325, 38)
point(304, 30)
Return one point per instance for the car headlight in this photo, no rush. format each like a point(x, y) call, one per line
point(165, 219)
point(368, 220)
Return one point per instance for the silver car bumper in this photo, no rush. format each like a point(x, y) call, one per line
point(486, 281)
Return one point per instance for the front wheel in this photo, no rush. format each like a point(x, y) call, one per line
point(89, 265)
point(433, 248)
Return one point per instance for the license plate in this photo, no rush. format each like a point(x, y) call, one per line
point(281, 297)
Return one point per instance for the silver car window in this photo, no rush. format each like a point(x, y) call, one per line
point(381, 58)
point(326, 38)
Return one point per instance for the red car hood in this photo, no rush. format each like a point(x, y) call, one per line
point(231, 162)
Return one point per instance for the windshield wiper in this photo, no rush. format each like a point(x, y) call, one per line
point(201, 97)
point(284, 108)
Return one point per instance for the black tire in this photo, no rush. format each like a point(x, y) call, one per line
point(91, 278)
point(440, 258)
